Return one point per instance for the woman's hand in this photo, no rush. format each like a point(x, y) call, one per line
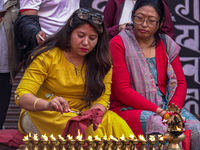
point(122, 26)
point(160, 111)
point(58, 104)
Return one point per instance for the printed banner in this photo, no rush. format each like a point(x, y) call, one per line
point(186, 20)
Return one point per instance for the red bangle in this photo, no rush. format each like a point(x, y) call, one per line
point(161, 111)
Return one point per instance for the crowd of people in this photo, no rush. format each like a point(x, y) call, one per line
point(120, 70)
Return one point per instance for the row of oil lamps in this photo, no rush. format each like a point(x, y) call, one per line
point(91, 143)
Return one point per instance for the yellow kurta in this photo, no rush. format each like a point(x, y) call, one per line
point(50, 73)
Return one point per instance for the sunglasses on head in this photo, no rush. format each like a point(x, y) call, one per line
point(85, 14)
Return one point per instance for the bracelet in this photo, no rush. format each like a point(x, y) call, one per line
point(35, 103)
point(161, 111)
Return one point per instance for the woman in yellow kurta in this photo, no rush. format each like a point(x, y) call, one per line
point(70, 71)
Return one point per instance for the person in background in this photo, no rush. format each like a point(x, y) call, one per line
point(38, 20)
point(147, 77)
point(8, 57)
point(118, 14)
point(70, 71)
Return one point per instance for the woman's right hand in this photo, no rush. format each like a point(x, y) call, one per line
point(58, 104)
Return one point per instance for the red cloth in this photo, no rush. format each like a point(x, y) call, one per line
point(82, 122)
point(11, 137)
point(186, 142)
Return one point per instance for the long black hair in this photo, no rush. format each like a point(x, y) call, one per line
point(159, 7)
point(98, 62)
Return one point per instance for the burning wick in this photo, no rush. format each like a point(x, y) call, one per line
point(122, 138)
point(160, 138)
point(70, 137)
point(44, 137)
point(97, 138)
point(178, 129)
point(113, 138)
point(26, 138)
point(105, 137)
point(52, 137)
point(35, 137)
point(132, 137)
point(152, 138)
point(60, 137)
point(79, 136)
point(141, 137)
point(90, 138)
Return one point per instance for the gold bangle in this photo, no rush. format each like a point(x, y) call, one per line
point(35, 103)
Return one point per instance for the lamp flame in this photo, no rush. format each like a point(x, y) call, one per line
point(122, 138)
point(52, 137)
point(141, 137)
point(79, 136)
point(160, 137)
point(113, 138)
point(132, 137)
point(26, 138)
point(70, 137)
point(35, 137)
point(29, 134)
point(44, 137)
point(61, 138)
point(152, 138)
point(178, 129)
point(97, 138)
point(90, 138)
point(105, 137)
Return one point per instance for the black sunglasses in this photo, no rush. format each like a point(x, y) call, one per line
point(85, 14)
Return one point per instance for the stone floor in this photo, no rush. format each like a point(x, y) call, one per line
point(5, 147)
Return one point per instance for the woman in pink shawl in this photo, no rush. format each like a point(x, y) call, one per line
point(147, 74)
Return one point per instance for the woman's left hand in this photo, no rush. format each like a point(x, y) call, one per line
point(160, 111)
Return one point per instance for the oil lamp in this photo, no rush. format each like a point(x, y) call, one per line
point(26, 141)
point(80, 141)
point(107, 143)
point(98, 143)
point(176, 127)
point(53, 142)
point(125, 143)
point(35, 142)
point(116, 143)
point(71, 142)
point(90, 143)
point(62, 142)
point(153, 141)
point(44, 139)
point(161, 142)
point(134, 141)
point(143, 142)
point(30, 139)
